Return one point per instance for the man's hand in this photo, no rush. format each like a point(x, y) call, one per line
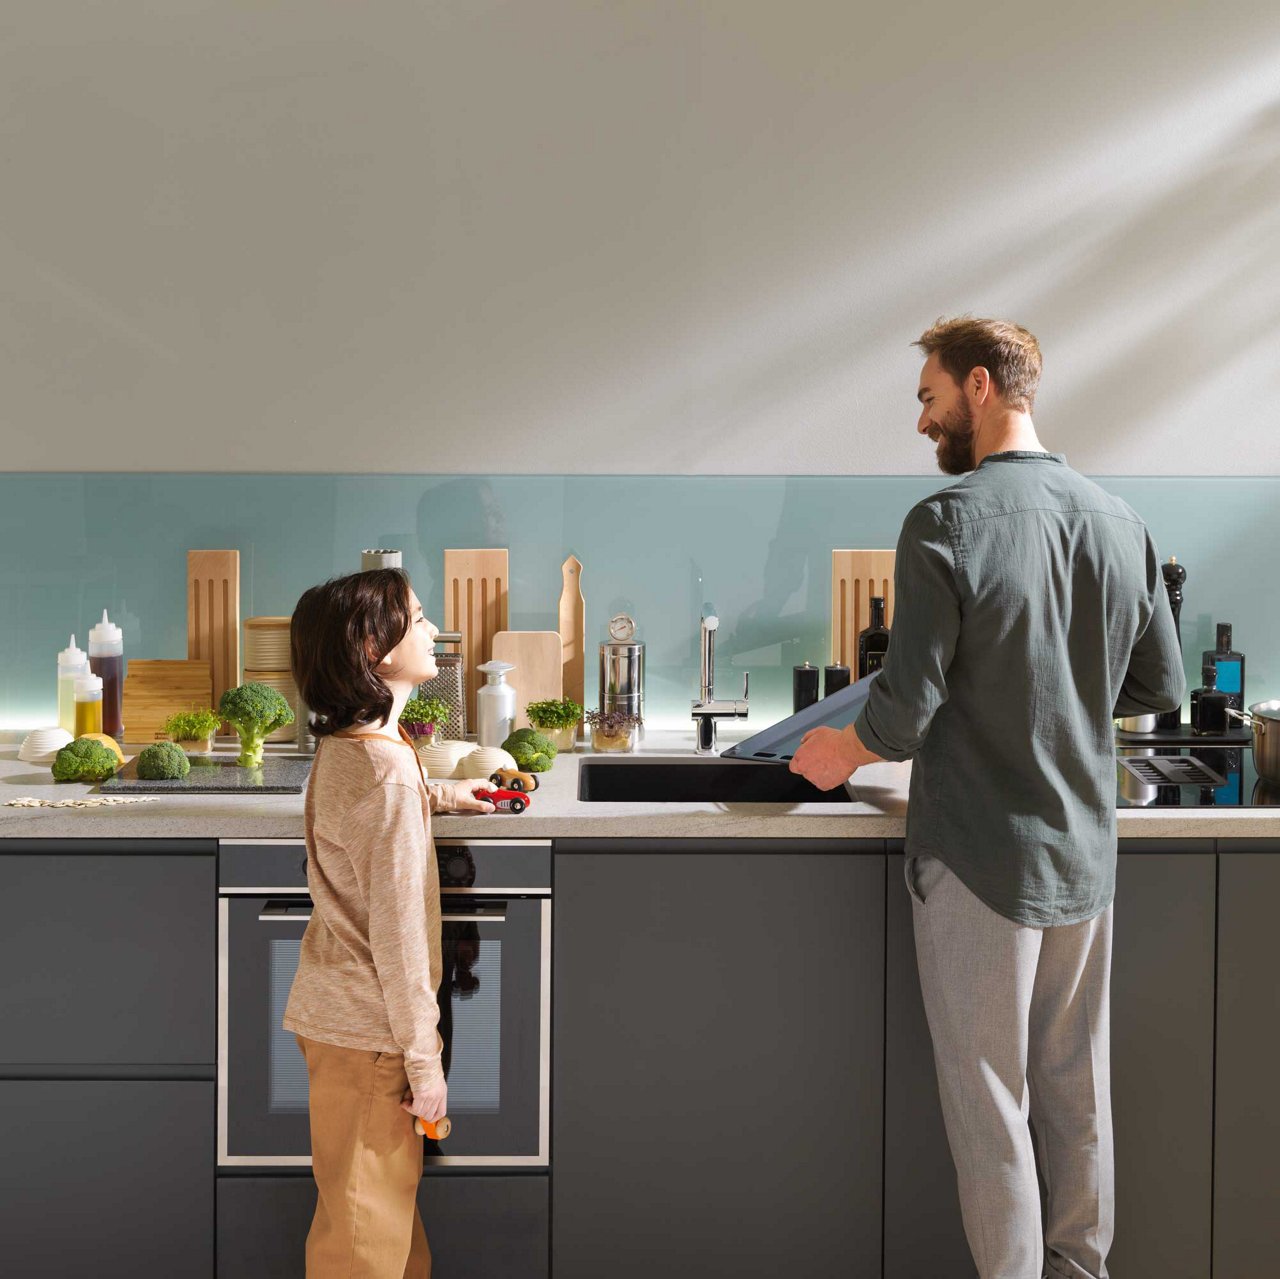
point(430, 1104)
point(828, 757)
point(460, 797)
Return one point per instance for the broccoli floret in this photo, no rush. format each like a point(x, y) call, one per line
point(84, 760)
point(530, 750)
point(163, 762)
point(254, 711)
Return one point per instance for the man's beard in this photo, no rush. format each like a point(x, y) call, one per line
point(955, 450)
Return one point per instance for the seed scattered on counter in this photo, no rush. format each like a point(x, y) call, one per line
point(94, 801)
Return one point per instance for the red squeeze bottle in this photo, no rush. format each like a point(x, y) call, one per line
point(437, 1131)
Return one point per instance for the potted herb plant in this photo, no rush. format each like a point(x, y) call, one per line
point(422, 716)
point(193, 730)
point(613, 730)
point(557, 720)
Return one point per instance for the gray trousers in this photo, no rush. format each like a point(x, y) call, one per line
point(1021, 1025)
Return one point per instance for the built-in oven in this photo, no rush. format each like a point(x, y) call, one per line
point(495, 1000)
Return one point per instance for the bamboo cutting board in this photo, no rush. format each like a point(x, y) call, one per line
point(539, 667)
point(154, 690)
point(475, 603)
point(213, 616)
point(573, 631)
point(855, 577)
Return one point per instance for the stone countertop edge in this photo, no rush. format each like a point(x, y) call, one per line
point(879, 811)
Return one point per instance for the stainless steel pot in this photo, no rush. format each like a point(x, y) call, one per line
point(1137, 723)
point(1264, 719)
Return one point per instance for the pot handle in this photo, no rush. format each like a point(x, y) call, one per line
point(1241, 715)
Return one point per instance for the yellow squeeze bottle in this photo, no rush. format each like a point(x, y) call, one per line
point(88, 705)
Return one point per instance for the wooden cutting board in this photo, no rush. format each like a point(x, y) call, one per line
point(573, 631)
point(855, 577)
point(213, 616)
point(154, 690)
point(475, 603)
point(539, 667)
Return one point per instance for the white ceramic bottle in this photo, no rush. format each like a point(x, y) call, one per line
point(72, 663)
point(495, 705)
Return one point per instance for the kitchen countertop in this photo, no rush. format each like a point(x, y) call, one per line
point(879, 810)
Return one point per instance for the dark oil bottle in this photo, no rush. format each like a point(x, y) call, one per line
point(873, 642)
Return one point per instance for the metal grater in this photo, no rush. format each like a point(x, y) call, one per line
point(1181, 770)
point(448, 686)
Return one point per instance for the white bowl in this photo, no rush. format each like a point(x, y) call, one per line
point(484, 762)
point(42, 744)
point(442, 760)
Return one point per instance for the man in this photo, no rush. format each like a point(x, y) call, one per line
point(1029, 611)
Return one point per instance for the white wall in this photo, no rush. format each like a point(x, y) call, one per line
point(674, 236)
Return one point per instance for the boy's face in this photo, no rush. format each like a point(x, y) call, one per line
point(414, 658)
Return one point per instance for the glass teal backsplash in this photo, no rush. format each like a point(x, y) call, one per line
point(658, 547)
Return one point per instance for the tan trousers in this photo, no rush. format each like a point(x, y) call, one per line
point(367, 1162)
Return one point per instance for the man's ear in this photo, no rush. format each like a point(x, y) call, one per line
point(979, 384)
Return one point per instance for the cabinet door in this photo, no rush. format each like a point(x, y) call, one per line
point(1246, 1236)
point(109, 954)
point(718, 1070)
point(479, 1227)
point(107, 1178)
point(1162, 1058)
point(1161, 1070)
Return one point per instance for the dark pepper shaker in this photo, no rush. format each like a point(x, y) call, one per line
point(804, 686)
point(834, 678)
point(1174, 576)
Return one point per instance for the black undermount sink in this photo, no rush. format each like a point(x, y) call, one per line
point(697, 781)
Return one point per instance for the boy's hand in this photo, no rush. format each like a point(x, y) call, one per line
point(460, 797)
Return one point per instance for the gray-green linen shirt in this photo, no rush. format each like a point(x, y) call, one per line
point(1029, 610)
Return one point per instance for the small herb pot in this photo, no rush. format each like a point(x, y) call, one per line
point(563, 739)
point(606, 743)
point(197, 745)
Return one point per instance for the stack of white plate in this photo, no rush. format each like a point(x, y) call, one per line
point(283, 683)
point(42, 744)
point(443, 760)
point(266, 644)
point(485, 762)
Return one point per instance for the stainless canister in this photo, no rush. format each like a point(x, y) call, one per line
point(622, 677)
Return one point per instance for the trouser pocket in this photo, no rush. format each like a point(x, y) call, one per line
point(910, 872)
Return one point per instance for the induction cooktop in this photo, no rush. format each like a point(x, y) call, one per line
point(1182, 771)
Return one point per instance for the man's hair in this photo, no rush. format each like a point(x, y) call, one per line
point(339, 633)
point(1009, 353)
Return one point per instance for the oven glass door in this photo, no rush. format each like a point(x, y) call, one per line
point(493, 1002)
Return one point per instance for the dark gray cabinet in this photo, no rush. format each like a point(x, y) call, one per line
point(717, 1059)
point(110, 1178)
point(1162, 1077)
point(479, 1227)
point(1246, 1234)
point(109, 954)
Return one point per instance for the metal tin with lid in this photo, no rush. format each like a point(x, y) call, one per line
point(622, 669)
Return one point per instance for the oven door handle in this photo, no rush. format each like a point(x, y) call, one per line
point(281, 912)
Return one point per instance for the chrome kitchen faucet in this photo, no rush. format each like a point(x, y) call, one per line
point(706, 709)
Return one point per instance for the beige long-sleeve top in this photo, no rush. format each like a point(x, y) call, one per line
point(370, 963)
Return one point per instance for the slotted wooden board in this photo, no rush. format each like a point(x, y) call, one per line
point(154, 690)
point(475, 603)
point(573, 631)
point(213, 616)
point(539, 667)
point(855, 577)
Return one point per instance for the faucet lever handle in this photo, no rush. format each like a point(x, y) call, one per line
point(746, 676)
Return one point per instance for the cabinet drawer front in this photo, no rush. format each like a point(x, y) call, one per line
point(480, 1227)
point(109, 959)
point(109, 1179)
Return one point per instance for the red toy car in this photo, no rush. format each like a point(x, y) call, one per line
point(505, 801)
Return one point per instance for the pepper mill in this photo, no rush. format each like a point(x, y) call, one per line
point(1174, 576)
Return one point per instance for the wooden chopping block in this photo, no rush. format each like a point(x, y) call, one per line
point(855, 577)
point(539, 667)
point(573, 631)
point(475, 603)
point(213, 616)
point(154, 690)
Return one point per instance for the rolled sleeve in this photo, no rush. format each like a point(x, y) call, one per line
point(912, 684)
